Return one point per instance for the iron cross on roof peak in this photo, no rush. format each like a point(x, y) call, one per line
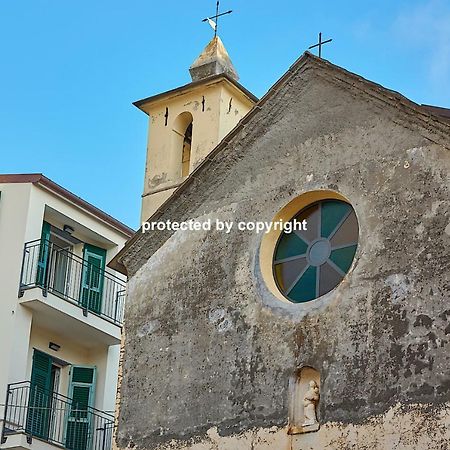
point(214, 23)
point(320, 44)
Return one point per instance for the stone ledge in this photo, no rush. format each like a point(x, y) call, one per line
point(303, 429)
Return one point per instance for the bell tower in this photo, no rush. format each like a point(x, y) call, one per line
point(186, 123)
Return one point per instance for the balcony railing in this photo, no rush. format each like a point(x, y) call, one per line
point(60, 272)
point(56, 419)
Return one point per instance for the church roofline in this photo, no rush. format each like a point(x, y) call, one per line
point(351, 81)
point(438, 110)
point(194, 85)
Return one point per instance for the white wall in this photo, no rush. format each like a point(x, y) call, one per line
point(15, 321)
point(23, 207)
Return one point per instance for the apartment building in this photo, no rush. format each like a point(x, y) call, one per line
point(61, 314)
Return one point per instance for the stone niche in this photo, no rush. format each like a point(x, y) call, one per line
point(304, 394)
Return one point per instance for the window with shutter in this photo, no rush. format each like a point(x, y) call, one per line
point(38, 418)
point(93, 277)
point(43, 255)
point(79, 430)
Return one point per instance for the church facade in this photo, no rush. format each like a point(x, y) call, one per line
point(334, 336)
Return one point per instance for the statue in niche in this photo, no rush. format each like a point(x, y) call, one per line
point(310, 401)
point(304, 389)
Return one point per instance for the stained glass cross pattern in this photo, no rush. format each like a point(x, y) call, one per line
point(309, 263)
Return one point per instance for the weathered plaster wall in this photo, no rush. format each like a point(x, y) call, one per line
point(401, 428)
point(210, 350)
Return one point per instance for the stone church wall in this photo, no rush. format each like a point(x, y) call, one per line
point(209, 350)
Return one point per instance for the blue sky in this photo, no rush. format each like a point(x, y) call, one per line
point(70, 70)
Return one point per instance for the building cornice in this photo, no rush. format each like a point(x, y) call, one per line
point(44, 182)
point(154, 99)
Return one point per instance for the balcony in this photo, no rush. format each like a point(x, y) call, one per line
point(55, 270)
point(33, 415)
point(62, 287)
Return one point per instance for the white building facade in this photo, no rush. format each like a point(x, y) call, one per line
point(61, 313)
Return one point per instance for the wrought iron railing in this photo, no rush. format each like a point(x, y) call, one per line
point(56, 419)
point(60, 272)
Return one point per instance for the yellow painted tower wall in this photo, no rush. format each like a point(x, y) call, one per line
point(208, 104)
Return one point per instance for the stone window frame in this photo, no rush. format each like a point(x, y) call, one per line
point(308, 264)
point(269, 241)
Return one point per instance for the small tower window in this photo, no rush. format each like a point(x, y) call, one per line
point(186, 156)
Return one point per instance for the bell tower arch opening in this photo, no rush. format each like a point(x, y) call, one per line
point(182, 142)
point(186, 157)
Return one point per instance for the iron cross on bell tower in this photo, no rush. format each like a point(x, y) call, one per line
point(214, 20)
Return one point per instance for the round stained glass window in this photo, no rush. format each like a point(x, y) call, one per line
point(310, 262)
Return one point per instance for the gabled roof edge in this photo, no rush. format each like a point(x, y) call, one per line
point(385, 94)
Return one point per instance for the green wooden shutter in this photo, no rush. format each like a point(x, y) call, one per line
point(40, 399)
point(79, 429)
point(43, 254)
point(94, 262)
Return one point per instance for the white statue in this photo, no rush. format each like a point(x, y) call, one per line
point(310, 401)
